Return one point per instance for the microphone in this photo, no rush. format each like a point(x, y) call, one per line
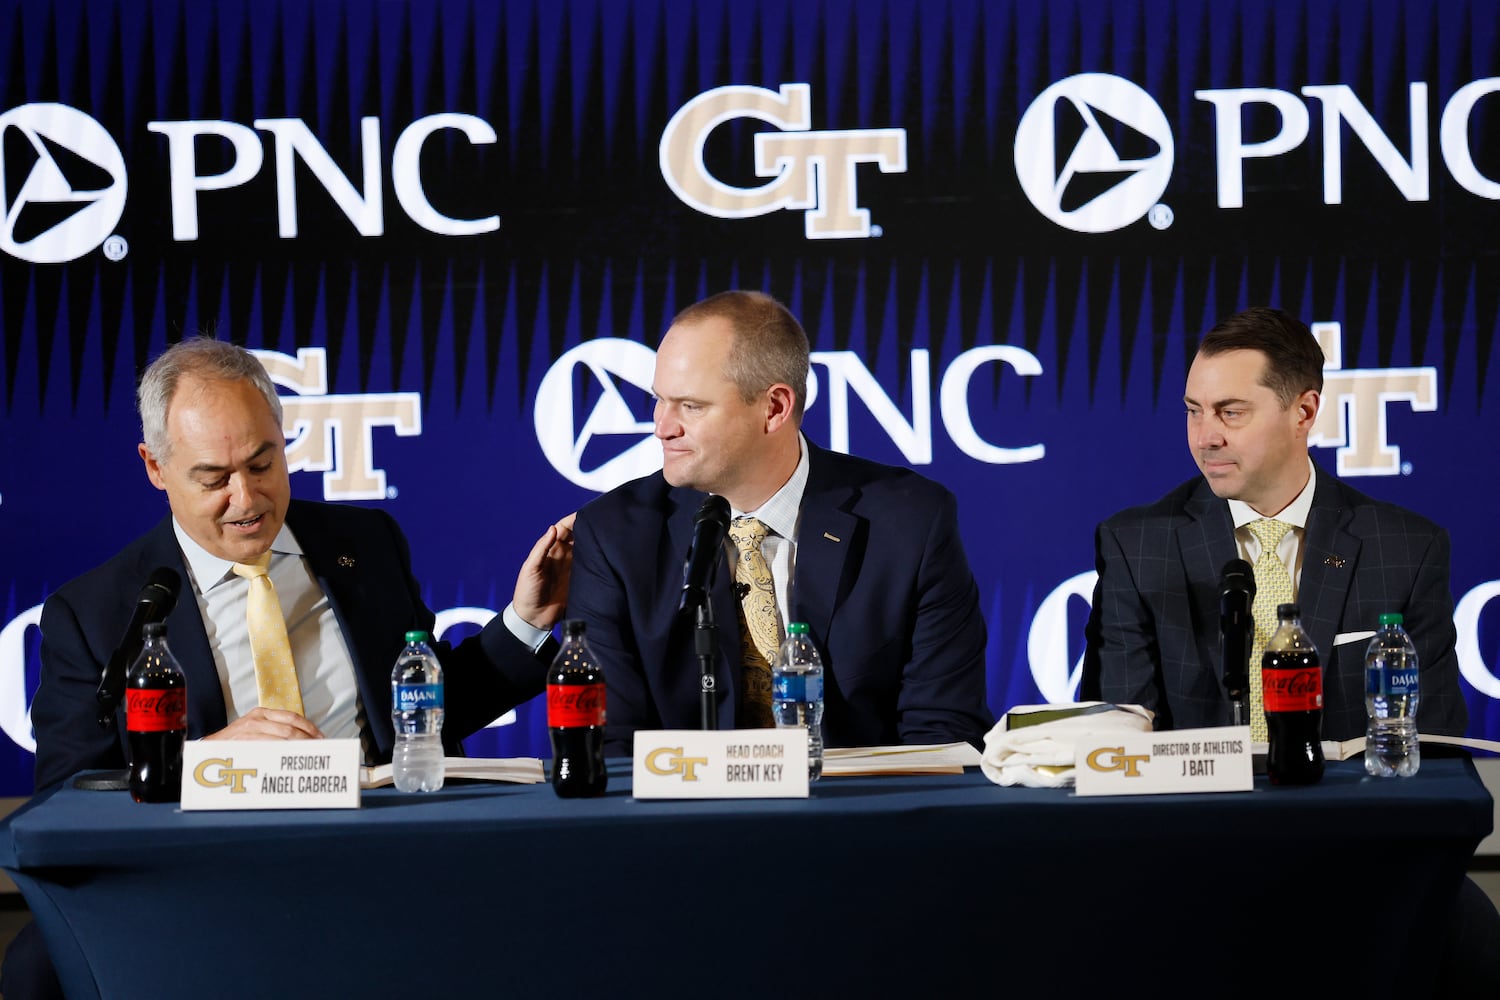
point(1236, 632)
point(157, 599)
point(709, 529)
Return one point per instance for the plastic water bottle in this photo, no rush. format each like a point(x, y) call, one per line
point(1391, 696)
point(797, 692)
point(417, 716)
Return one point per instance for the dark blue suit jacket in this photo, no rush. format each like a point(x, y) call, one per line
point(1153, 633)
point(880, 578)
point(363, 563)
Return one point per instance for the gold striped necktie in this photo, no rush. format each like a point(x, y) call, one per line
point(760, 622)
point(275, 674)
point(1273, 586)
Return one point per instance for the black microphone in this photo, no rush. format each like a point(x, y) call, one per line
point(1236, 633)
point(157, 599)
point(709, 529)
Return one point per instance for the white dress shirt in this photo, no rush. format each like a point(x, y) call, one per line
point(1291, 547)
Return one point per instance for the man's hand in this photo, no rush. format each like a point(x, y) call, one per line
point(268, 724)
point(541, 594)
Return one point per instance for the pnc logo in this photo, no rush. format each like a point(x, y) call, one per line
point(1093, 153)
point(62, 183)
point(812, 171)
point(601, 365)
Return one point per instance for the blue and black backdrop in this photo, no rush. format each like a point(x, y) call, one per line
point(456, 230)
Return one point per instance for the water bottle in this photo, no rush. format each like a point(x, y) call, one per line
point(797, 692)
point(1391, 696)
point(417, 716)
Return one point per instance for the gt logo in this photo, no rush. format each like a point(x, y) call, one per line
point(71, 188)
point(810, 170)
point(1116, 759)
point(225, 773)
point(669, 760)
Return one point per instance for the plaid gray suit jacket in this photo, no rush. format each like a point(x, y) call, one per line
point(1153, 632)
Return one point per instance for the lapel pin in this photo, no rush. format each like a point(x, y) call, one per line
point(346, 561)
point(1337, 562)
point(832, 538)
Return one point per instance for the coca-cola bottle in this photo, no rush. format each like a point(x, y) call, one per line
point(1292, 685)
point(575, 717)
point(155, 719)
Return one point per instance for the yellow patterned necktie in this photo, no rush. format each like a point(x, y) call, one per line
point(275, 675)
point(1273, 586)
point(760, 623)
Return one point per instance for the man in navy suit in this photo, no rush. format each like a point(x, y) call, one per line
point(1252, 396)
point(212, 425)
point(868, 555)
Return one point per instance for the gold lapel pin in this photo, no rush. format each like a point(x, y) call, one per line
point(832, 538)
point(1337, 562)
point(346, 561)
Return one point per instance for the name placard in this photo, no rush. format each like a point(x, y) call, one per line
point(270, 774)
point(1173, 762)
point(720, 764)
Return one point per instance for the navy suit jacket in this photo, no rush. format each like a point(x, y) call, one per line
point(880, 578)
point(361, 559)
point(1153, 633)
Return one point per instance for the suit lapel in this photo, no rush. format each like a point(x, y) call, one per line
point(1329, 555)
point(186, 635)
point(826, 534)
point(1206, 541)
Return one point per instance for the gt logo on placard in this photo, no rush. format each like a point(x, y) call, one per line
point(809, 170)
point(1116, 759)
point(675, 763)
point(225, 774)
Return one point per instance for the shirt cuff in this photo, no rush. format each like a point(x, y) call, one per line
point(519, 627)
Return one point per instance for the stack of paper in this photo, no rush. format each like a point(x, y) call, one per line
point(943, 758)
point(517, 770)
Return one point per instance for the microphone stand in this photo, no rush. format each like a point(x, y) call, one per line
point(705, 643)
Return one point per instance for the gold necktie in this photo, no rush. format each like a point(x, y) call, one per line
point(760, 623)
point(1273, 586)
point(275, 675)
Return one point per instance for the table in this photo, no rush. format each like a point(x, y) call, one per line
point(916, 886)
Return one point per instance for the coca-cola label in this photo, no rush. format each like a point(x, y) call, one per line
point(574, 705)
point(155, 710)
point(1292, 690)
point(416, 697)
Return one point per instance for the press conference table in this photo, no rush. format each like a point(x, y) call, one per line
point(912, 886)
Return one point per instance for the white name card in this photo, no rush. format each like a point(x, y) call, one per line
point(1176, 761)
point(270, 774)
point(720, 764)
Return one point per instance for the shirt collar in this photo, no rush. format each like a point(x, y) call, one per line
point(1295, 513)
point(780, 512)
point(205, 567)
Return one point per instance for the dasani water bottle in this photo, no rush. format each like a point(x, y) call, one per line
point(797, 692)
point(417, 716)
point(1391, 696)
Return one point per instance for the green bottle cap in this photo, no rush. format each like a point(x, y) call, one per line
point(417, 635)
point(1390, 618)
point(796, 628)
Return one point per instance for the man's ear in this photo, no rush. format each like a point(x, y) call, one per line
point(153, 467)
point(779, 404)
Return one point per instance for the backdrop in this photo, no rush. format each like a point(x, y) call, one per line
point(456, 230)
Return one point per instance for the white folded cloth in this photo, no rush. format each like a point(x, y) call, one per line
point(1034, 745)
